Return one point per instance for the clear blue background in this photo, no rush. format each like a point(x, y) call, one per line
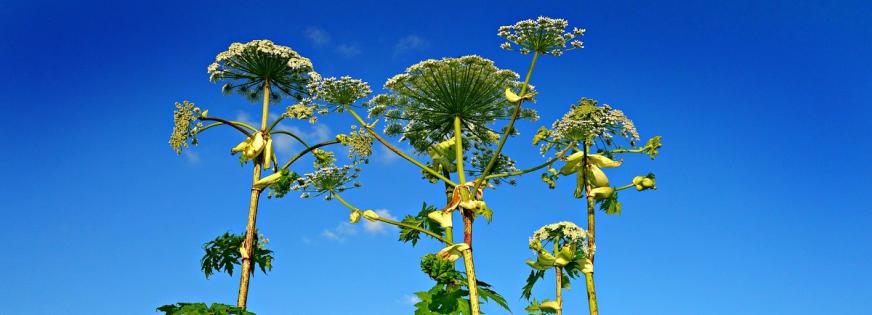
point(764, 177)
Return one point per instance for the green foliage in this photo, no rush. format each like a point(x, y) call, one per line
point(282, 186)
point(534, 276)
point(652, 146)
point(535, 308)
point(422, 221)
point(440, 270)
point(448, 295)
point(202, 309)
point(223, 253)
point(611, 205)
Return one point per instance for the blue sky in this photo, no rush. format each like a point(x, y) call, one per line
point(762, 204)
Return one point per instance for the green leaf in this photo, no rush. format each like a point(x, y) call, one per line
point(488, 294)
point(222, 254)
point(440, 270)
point(421, 221)
point(202, 309)
point(611, 205)
point(534, 276)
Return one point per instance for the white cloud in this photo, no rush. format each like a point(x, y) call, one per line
point(345, 230)
point(246, 118)
point(409, 299)
point(317, 35)
point(191, 157)
point(385, 156)
point(340, 232)
point(348, 50)
point(409, 43)
point(377, 227)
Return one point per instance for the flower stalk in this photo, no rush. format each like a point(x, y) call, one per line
point(250, 228)
point(467, 215)
point(505, 136)
point(591, 234)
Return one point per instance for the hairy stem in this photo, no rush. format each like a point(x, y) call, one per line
point(559, 280)
point(591, 239)
point(250, 229)
point(472, 283)
point(396, 150)
point(505, 135)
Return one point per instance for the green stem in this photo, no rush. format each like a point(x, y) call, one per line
point(395, 149)
point(532, 169)
point(292, 135)
point(472, 283)
point(307, 150)
point(276, 122)
point(233, 124)
point(559, 271)
point(505, 135)
point(250, 229)
point(392, 222)
point(619, 188)
point(591, 237)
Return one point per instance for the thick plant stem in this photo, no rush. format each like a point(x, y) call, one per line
point(591, 237)
point(250, 228)
point(449, 192)
point(559, 294)
point(472, 283)
point(505, 136)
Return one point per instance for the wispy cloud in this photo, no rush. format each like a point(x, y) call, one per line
point(410, 43)
point(317, 35)
point(340, 233)
point(378, 227)
point(409, 299)
point(348, 50)
point(385, 156)
point(345, 230)
point(191, 157)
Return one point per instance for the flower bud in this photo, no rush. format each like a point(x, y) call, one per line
point(354, 217)
point(596, 177)
point(443, 218)
point(549, 305)
point(602, 192)
point(452, 252)
point(370, 215)
point(266, 181)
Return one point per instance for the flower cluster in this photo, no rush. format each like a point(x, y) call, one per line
point(544, 36)
point(327, 179)
point(426, 98)
point(304, 110)
point(563, 233)
point(358, 142)
point(341, 92)
point(586, 121)
point(185, 115)
point(251, 65)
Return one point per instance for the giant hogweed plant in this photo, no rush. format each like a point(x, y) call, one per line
point(589, 126)
point(257, 70)
point(448, 110)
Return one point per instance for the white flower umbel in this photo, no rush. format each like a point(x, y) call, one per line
point(248, 67)
point(543, 36)
point(341, 92)
point(586, 121)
